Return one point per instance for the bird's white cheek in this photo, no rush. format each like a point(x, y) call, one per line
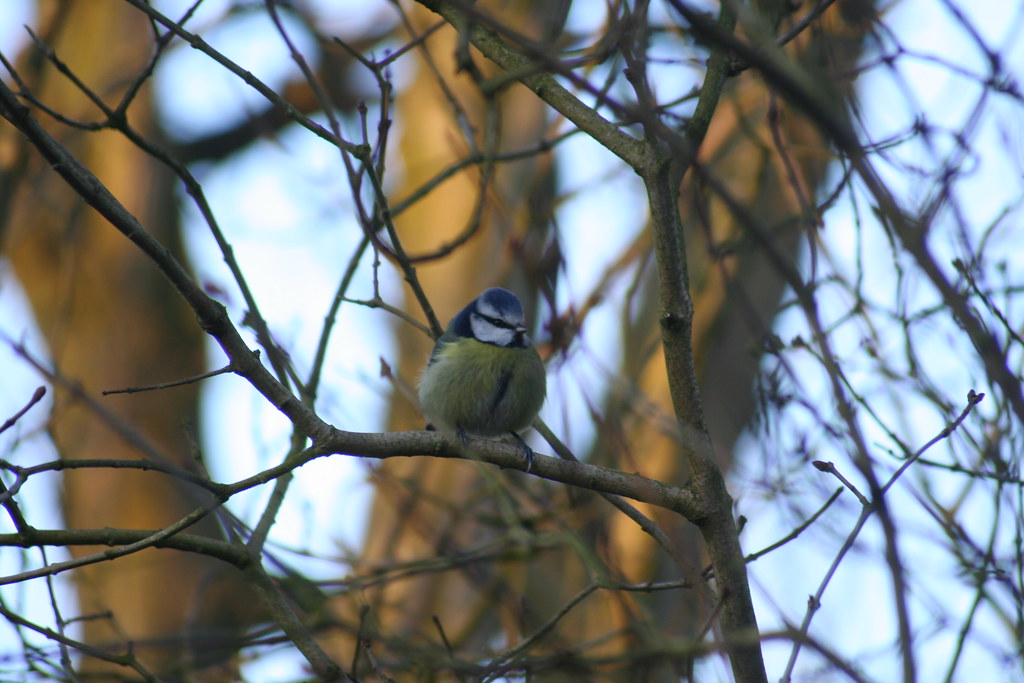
point(490, 334)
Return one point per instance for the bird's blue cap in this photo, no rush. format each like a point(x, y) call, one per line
point(493, 303)
point(499, 303)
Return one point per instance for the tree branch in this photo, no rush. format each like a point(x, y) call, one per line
point(660, 160)
point(535, 75)
point(212, 316)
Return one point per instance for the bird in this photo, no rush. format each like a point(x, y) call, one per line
point(484, 376)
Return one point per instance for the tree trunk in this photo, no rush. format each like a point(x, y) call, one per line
point(111, 321)
point(424, 506)
point(428, 508)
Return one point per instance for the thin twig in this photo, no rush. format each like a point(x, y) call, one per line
point(37, 396)
point(176, 383)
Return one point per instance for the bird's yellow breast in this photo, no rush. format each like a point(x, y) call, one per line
point(482, 388)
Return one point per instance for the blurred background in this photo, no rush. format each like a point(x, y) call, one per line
point(490, 186)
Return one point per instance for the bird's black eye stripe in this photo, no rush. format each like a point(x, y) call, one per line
point(497, 322)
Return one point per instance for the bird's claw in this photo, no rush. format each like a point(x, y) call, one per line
point(527, 451)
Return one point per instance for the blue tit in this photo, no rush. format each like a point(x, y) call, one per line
point(484, 376)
